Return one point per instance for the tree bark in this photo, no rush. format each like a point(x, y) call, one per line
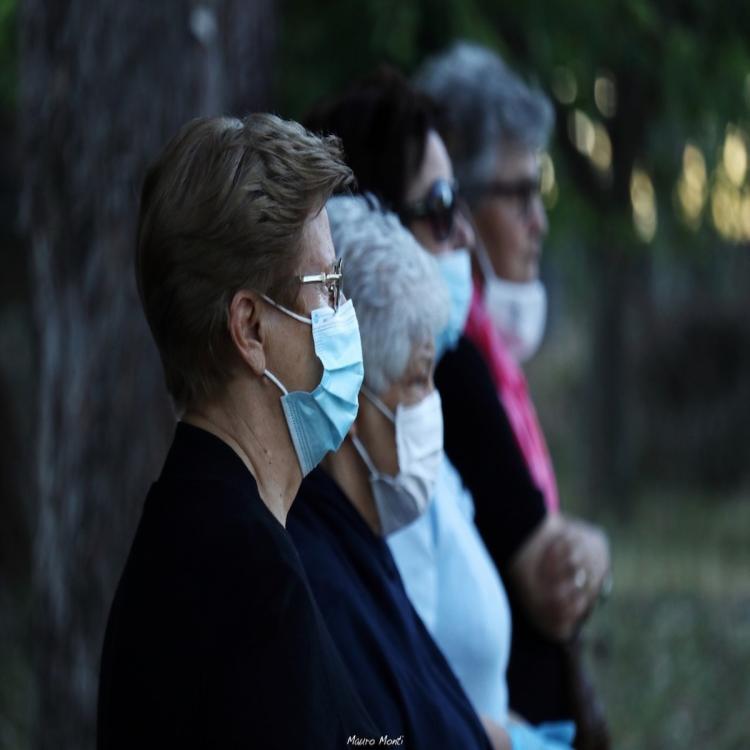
point(104, 83)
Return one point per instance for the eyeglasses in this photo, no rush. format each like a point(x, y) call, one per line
point(438, 207)
point(332, 281)
point(523, 191)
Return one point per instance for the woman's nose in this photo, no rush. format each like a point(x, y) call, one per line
point(463, 232)
point(538, 217)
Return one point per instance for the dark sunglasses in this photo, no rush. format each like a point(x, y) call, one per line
point(523, 191)
point(438, 207)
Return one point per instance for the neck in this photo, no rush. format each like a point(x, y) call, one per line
point(349, 470)
point(249, 419)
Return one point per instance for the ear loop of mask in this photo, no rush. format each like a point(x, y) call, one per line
point(291, 314)
point(388, 414)
point(275, 381)
point(296, 316)
point(365, 456)
point(378, 404)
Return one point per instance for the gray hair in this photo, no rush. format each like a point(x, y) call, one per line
point(486, 108)
point(394, 283)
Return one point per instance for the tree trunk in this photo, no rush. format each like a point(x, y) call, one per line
point(104, 84)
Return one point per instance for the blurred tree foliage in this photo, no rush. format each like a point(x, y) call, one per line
point(8, 54)
point(647, 192)
point(655, 76)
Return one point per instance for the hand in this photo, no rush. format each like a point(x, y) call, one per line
point(559, 573)
point(562, 583)
point(593, 548)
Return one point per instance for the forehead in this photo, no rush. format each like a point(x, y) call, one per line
point(436, 165)
point(517, 163)
point(317, 252)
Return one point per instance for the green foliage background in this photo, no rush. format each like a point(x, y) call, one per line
point(8, 54)
point(681, 68)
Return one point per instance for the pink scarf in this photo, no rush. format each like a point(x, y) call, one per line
point(513, 392)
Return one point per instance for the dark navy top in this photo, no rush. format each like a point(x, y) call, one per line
point(214, 638)
point(402, 677)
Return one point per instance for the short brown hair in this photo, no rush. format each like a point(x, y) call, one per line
point(223, 208)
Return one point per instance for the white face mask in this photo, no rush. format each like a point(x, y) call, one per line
point(402, 499)
point(518, 310)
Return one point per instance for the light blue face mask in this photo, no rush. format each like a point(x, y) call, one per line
point(319, 421)
point(455, 268)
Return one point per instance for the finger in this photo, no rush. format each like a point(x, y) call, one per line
point(557, 553)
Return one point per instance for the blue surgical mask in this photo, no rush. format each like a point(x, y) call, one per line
point(319, 421)
point(455, 268)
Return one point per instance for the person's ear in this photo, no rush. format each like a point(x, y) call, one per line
point(247, 330)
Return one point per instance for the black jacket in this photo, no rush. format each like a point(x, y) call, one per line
point(214, 639)
point(404, 679)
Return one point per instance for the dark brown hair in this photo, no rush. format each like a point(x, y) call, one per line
point(224, 208)
point(383, 123)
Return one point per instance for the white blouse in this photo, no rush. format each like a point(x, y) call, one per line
point(456, 589)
